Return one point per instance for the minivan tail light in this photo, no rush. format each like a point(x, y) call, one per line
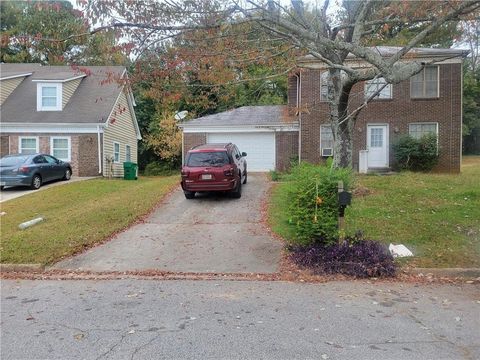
point(228, 172)
point(185, 173)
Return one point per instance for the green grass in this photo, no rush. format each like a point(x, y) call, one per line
point(77, 215)
point(437, 216)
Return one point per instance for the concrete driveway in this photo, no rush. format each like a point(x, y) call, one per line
point(13, 192)
point(211, 233)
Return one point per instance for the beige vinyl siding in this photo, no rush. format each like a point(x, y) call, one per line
point(121, 131)
point(68, 89)
point(7, 87)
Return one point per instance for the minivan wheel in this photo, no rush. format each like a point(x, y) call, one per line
point(245, 180)
point(36, 182)
point(67, 175)
point(189, 194)
point(237, 193)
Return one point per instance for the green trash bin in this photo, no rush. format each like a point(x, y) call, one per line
point(130, 171)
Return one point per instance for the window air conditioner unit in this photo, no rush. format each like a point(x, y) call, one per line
point(327, 152)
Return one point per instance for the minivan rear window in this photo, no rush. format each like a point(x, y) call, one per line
point(214, 158)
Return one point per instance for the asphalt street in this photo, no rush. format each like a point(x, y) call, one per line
point(152, 319)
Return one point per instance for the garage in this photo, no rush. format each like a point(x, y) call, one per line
point(268, 134)
point(260, 147)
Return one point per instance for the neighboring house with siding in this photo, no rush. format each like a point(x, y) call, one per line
point(81, 115)
point(430, 102)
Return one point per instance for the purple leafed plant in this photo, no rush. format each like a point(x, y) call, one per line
point(365, 258)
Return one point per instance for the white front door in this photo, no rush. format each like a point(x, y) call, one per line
point(377, 146)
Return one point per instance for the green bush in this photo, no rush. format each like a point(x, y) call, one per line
point(313, 209)
point(416, 154)
point(159, 169)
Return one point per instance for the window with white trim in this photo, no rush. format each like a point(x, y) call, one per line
point(49, 96)
point(28, 145)
point(116, 152)
point(326, 140)
point(374, 85)
point(324, 86)
point(425, 83)
point(417, 130)
point(128, 153)
point(60, 147)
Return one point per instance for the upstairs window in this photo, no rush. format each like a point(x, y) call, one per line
point(425, 83)
point(28, 145)
point(372, 86)
point(324, 86)
point(49, 97)
point(326, 140)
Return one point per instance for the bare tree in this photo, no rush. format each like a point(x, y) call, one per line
point(351, 29)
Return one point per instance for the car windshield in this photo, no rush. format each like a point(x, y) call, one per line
point(217, 159)
point(13, 160)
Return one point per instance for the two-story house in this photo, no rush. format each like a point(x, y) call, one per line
point(81, 115)
point(429, 102)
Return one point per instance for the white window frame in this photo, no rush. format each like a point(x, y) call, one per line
point(58, 106)
point(37, 143)
point(114, 160)
point(437, 95)
point(128, 152)
point(379, 82)
point(69, 139)
point(323, 77)
point(321, 145)
point(424, 123)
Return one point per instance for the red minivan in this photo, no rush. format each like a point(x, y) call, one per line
point(214, 167)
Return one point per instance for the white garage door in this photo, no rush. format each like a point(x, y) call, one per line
point(260, 147)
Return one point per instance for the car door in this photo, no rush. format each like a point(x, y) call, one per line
point(42, 167)
point(55, 167)
point(240, 160)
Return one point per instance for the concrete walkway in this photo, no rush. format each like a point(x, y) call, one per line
point(211, 233)
point(14, 192)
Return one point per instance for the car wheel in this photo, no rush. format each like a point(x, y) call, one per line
point(68, 174)
point(245, 180)
point(189, 194)
point(36, 182)
point(237, 193)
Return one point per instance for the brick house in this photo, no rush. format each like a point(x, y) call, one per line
point(82, 116)
point(430, 102)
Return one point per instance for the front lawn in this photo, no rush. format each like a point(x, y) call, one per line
point(437, 216)
point(77, 215)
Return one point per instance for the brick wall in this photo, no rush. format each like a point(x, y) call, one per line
point(193, 139)
point(398, 112)
point(87, 154)
point(286, 143)
point(4, 145)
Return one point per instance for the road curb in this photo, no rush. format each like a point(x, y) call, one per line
point(446, 272)
point(36, 268)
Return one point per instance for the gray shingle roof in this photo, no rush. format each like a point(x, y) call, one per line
point(246, 116)
point(92, 101)
point(386, 51)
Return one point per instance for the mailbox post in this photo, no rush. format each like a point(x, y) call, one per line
point(344, 199)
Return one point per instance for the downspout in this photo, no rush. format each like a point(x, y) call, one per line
point(299, 103)
point(99, 151)
point(183, 146)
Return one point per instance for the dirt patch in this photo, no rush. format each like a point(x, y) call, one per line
point(361, 191)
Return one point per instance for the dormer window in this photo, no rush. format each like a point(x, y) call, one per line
point(49, 96)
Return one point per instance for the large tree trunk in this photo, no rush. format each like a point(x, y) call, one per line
point(342, 155)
